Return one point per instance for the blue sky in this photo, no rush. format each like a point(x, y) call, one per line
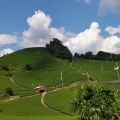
point(82, 25)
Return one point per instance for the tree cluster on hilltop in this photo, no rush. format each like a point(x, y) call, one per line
point(99, 56)
point(58, 50)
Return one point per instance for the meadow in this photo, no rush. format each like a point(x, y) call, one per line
point(100, 70)
point(46, 72)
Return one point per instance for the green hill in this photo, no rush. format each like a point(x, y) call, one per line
point(46, 71)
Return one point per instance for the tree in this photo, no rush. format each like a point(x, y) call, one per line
point(94, 102)
point(5, 68)
point(88, 55)
point(76, 55)
point(9, 91)
point(28, 67)
point(58, 50)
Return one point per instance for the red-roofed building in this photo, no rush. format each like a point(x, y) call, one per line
point(39, 89)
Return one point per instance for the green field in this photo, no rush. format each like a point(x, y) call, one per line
point(100, 70)
point(46, 72)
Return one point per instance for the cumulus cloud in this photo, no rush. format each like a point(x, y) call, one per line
point(6, 51)
point(107, 6)
point(89, 40)
point(111, 44)
point(112, 30)
point(40, 31)
point(7, 39)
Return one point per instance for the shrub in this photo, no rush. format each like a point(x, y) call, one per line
point(9, 91)
point(5, 68)
point(96, 103)
point(28, 66)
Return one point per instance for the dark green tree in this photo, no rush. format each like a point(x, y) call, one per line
point(5, 68)
point(76, 55)
point(88, 55)
point(94, 102)
point(28, 67)
point(58, 50)
point(9, 91)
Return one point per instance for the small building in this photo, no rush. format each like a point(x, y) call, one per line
point(116, 67)
point(39, 89)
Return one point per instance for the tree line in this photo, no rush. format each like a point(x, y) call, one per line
point(101, 55)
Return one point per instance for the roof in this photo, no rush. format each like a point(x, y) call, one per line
point(39, 87)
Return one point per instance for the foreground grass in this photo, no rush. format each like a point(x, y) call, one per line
point(8, 117)
point(60, 100)
point(28, 107)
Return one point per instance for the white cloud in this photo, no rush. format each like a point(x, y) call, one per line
point(7, 39)
point(111, 30)
point(110, 44)
point(89, 40)
point(40, 31)
point(5, 51)
point(87, 1)
point(107, 6)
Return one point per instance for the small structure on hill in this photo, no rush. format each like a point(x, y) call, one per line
point(116, 67)
point(39, 89)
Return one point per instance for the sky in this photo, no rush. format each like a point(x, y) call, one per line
point(81, 25)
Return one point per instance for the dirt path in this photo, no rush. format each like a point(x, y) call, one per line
point(12, 80)
point(43, 97)
point(43, 103)
point(113, 81)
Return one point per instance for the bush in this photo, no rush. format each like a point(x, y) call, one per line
point(28, 67)
point(9, 91)
point(96, 103)
point(5, 68)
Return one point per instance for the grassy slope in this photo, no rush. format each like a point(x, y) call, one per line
point(30, 106)
point(29, 109)
point(60, 100)
point(46, 69)
point(48, 74)
point(93, 67)
point(9, 117)
point(5, 82)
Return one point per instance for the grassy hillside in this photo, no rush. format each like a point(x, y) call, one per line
point(101, 70)
point(46, 71)
point(37, 57)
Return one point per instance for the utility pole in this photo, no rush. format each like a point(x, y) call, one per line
point(102, 69)
point(80, 68)
point(88, 77)
point(76, 65)
point(32, 86)
point(111, 57)
point(61, 78)
point(118, 72)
